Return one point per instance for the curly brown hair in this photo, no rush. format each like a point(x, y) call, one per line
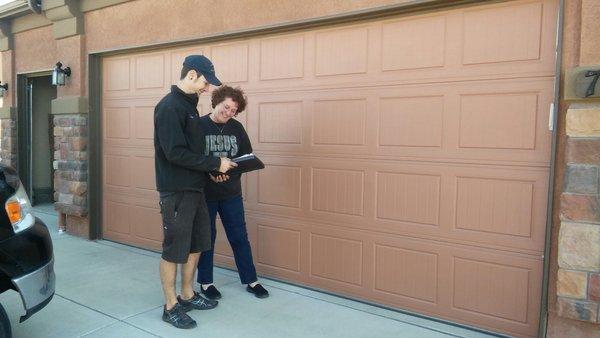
point(236, 94)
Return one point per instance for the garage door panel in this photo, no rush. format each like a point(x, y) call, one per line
point(144, 176)
point(409, 197)
point(498, 121)
point(414, 43)
point(336, 259)
point(341, 51)
point(117, 219)
point(280, 185)
point(148, 223)
point(411, 121)
point(338, 191)
point(339, 122)
point(407, 273)
point(516, 29)
point(154, 79)
point(117, 123)
point(493, 205)
point(144, 122)
point(492, 289)
point(282, 57)
point(280, 123)
point(278, 248)
point(116, 72)
point(497, 290)
point(231, 61)
point(117, 171)
point(504, 207)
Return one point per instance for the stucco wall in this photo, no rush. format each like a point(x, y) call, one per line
point(145, 22)
point(34, 50)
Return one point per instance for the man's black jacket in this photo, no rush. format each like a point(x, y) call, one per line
point(179, 158)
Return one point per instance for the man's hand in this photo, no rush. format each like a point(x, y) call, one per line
point(219, 178)
point(226, 164)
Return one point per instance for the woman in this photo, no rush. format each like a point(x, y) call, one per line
point(226, 137)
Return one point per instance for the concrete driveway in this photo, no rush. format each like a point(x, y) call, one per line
point(106, 289)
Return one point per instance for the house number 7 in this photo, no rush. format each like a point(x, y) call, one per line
point(592, 88)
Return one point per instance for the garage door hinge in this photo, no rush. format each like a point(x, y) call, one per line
point(551, 117)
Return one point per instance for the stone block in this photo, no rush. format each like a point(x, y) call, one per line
point(579, 247)
point(80, 176)
point(583, 122)
point(78, 188)
point(583, 151)
point(78, 143)
point(572, 284)
point(580, 208)
point(80, 201)
point(578, 309)
point(581, 179)
point(594, 287)
point(65, 198)
point(78, 226)
point(80, 121)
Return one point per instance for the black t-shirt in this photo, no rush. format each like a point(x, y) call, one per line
point(224, 140)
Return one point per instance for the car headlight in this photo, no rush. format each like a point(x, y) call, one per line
point(19, 210)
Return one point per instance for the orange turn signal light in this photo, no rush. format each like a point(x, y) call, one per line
point(13, 209)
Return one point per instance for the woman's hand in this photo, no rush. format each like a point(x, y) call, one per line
point(219, 178)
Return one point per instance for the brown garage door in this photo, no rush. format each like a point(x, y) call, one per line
point(407, 158)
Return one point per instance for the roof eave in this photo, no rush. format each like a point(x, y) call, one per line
point(14, 9)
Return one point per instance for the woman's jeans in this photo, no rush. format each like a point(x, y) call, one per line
point(231, 212)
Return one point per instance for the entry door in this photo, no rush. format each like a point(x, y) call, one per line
point(35, 136)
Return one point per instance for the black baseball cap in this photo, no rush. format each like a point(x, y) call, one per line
point(202, 65)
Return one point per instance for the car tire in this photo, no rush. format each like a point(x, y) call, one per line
point(5, 330)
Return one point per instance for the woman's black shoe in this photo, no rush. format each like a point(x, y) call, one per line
point(258, 291)
point(211, 292)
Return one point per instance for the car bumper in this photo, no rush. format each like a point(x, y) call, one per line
point(36, 288)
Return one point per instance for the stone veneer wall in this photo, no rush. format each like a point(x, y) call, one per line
point(8, 142)
point(71, 171)
point(578, 282)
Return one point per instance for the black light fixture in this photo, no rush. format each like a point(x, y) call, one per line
point(3, 89)
point(59, 74)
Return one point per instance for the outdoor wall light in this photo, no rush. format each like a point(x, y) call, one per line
point(59, 74)
point(3, 89)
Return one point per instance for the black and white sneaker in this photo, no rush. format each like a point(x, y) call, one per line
point(258, 291)
point(197, 302)
point(178, 318)
point(211, 292)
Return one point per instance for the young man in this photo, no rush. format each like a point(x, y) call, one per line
point(226, 137)
point(180, 179)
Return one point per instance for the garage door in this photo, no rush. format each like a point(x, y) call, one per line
point(407, 157)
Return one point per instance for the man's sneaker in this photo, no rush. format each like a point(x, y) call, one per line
point(178, 318)
point(258, 291)
point(197, 302)
point(211, 292)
